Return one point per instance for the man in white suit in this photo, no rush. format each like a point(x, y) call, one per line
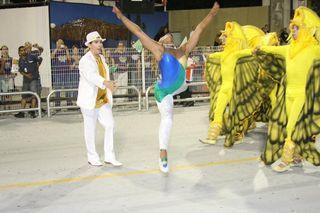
point(95, 100)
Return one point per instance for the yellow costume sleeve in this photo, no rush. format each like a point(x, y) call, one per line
point(244, 53)
point(277, 50)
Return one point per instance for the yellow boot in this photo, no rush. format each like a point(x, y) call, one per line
point(238, 138)
point(213, 133)
point(287, 157)
point(297, 158)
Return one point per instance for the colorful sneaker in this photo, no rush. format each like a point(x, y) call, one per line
point(163, 164)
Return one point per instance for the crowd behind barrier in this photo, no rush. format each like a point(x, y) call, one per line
point(128, 67)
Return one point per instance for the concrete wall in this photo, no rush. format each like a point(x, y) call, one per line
point(182, 21)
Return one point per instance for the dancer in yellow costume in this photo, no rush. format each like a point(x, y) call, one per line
point(295, 120)
point(221, 70)
point(235, 79)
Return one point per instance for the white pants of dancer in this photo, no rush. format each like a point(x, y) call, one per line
point(166, 112)
point(90, 117)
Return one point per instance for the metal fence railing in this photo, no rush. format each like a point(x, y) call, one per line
point(126, 65)
point(38, 108)
point(51, 107)
point(135, 73)
point(54, 92)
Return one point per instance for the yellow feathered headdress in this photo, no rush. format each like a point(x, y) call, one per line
point(235, 36)
point(308, 22)
point(253, 34)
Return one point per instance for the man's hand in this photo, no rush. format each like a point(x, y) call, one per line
point(29, 75)
point(111, 85)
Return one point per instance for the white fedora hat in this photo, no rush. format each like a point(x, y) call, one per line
point(92, 37)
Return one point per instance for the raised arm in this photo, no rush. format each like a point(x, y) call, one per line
point(146, 41)
point(193, 41)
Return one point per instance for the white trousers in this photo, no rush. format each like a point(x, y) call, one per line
point(166, 112)
point(90, 117)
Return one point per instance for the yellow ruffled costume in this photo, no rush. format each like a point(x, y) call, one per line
point(221, 70)
point(295, 119)
point(234, 79)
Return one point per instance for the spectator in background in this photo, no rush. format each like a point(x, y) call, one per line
point(134, 74)
point(60, 60)
point(198, 56)
point(36, 50)
point(217, 40)
point(2, 81)
point(73, 74)
point(284, 36)
point(149, 75)
point(107, 55)
point(6, 77)
point(265, 28)
point(121, 60)
point(29, 68)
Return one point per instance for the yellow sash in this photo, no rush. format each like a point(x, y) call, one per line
point(102, 93)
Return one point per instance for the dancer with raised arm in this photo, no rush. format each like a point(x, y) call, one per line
point(172, 64)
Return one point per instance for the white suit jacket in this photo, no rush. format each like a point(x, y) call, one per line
point(90, 81)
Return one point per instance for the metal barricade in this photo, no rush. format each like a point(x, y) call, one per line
point(128, 67)
point(130, 102)
point(49, 108)
point(179, 100)
point(23, 110)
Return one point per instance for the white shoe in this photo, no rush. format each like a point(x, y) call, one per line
point(95, 163)
point(164, 166)
point(114, 162)
point(208, 141)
